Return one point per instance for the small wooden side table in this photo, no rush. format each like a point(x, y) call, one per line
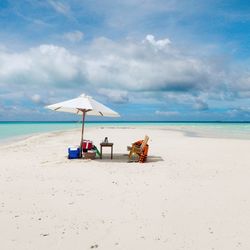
point(106, 144)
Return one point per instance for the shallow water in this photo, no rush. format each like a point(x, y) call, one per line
point(9, 130)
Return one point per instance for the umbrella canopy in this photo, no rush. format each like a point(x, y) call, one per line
point(83, 105)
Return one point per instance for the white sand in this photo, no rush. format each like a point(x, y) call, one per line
point(193, 193)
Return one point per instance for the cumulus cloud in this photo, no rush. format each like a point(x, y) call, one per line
point(115, 96)
point(157, 44)
point(46, 64)
point(116, 69)
point(129, 65)
point(75, 36)
point(142, 66)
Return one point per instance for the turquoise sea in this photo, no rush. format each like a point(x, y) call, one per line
point(10, 130)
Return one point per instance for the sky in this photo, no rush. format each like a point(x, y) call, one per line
point(149, 60)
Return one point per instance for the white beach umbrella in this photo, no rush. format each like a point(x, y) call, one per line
point(83, 105)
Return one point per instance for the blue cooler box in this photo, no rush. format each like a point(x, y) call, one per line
point(74, 152)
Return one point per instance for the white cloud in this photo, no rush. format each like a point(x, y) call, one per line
point(60, 7)
point(158, 44)
point(39, 99)
point(116, 96)
point(118, 68)
point(142, 66)
point(46, 64)
point(36, 98)
point(127, 66)
point(75, 36)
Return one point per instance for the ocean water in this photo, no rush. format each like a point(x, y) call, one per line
point(10, 130)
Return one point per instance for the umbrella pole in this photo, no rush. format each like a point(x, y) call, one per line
point(83, 118)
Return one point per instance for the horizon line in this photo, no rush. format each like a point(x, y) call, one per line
point(129, 121)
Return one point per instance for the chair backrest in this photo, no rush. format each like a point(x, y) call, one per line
point(145, 141)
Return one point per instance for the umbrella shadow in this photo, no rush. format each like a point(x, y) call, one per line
point(123, 158)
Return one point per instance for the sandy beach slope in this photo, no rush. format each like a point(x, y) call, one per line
point(193, 193)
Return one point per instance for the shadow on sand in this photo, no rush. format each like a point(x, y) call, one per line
point(123, 158)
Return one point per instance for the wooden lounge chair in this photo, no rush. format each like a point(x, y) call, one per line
point(139, 148)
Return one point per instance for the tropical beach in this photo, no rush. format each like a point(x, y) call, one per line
point(192, 192)
point(124, 125)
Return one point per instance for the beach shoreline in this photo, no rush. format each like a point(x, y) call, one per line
point(189, 186)
point(185, 130)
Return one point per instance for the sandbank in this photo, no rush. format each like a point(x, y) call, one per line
point(192, 193)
